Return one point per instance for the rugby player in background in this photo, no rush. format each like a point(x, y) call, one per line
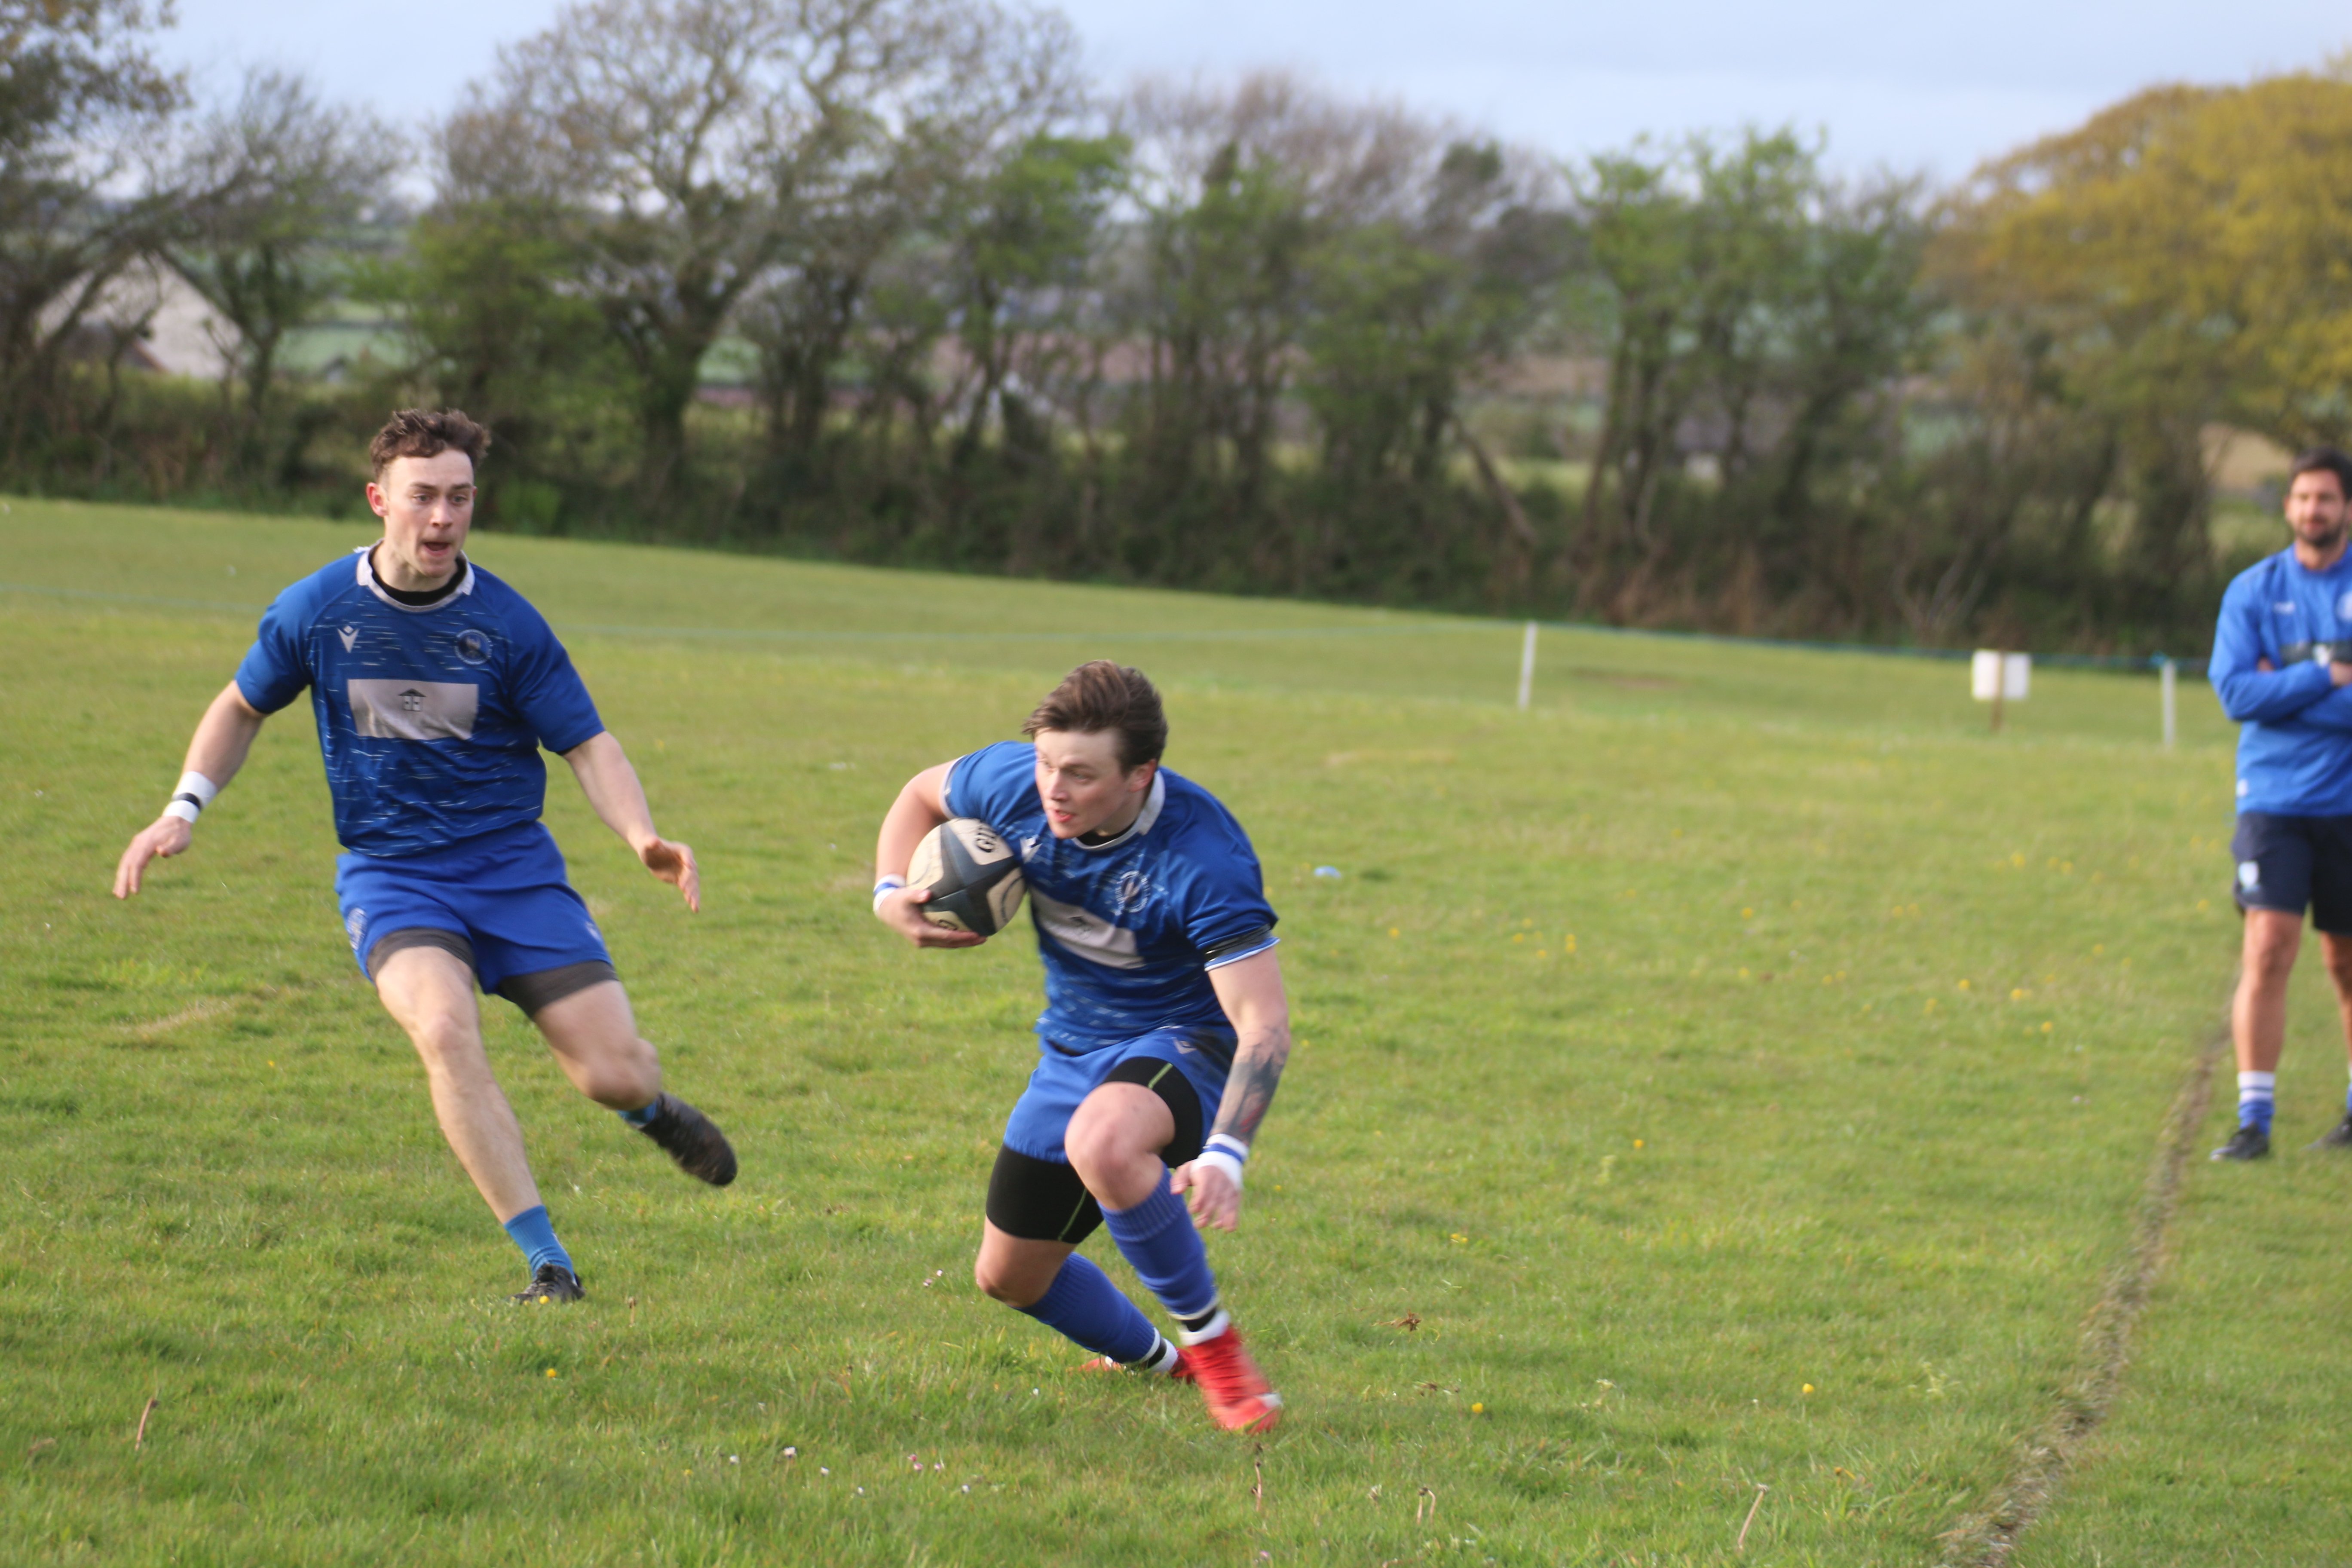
point(2282, 658)
point(434, 685)
point(1164, 1008)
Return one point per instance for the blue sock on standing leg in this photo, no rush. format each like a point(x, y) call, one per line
point(1082, 1304)
point(2257, 1096)
point(535, 1234)
point(1156, 1237)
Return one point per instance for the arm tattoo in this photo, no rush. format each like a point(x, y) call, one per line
point(1249, 1088)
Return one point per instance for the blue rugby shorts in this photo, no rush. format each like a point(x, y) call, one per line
point(1202, 1053)
point(504, 892)
point(2293, 863)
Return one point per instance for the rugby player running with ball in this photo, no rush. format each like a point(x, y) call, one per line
point(435, 686)
point(1164, 1005)
point(2282, 659)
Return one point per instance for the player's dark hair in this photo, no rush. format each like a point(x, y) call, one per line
point(427, 433)
point(2324, 461)
point(1098, 696)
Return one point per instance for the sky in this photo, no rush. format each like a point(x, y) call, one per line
point(1930, 88)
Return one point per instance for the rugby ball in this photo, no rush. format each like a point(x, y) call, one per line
point(971, 873)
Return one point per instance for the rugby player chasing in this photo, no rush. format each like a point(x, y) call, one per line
point(1163, 1002)
point(434, 685)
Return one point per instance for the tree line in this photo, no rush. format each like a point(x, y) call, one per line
point(891, 280)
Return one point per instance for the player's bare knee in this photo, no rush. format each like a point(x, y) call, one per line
point(1099, 1144)
point(446, 1040)
point(1010, 1289)
point(623, 1081)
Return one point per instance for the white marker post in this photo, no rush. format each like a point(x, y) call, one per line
point(2000, 677)
point(1528, 666)
point(2168, 677)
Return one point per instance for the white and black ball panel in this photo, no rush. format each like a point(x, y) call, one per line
point(971, 873)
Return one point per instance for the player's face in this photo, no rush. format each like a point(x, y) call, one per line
point(427, 506)
point(1082, 786)
point(2316, 510)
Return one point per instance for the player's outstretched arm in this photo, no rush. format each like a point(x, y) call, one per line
point(921, 805)
point(224, 735)
point(612, 787)
point(1251, 993)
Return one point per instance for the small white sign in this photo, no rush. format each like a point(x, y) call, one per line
point(2005, 676)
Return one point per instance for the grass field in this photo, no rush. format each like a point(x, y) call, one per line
point(1738, 1071)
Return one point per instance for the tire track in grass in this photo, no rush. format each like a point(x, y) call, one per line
point(1987, 1538)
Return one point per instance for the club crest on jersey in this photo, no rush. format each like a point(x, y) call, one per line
point(350, 636)
point(1134, 891)
point(473, 647)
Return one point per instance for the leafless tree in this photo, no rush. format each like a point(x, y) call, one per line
point(701, 149)
point(82, 107)
point(272, 180)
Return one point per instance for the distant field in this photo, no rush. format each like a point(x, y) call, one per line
point(1740, 1070)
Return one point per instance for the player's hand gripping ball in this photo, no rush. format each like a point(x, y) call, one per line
point(971, 873)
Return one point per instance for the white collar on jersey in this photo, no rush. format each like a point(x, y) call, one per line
point(1143, 819)
point(367, 579)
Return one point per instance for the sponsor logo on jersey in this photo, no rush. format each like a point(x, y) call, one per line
point(413, 710)
point(2284, 606)
point(350, 636)
point(473, 647)
point(1029, 848)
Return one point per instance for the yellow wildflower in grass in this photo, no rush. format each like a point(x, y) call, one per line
point(1477, 1408)
point(1567, 942)
point(1809, 1388)
point(2047, 1025)
point(551, 1371)
point(2017, 994)
point(2097, 948)
point(1964, 985)
point(1393, 932)
point(1459, 1238)
point(1637, 1143)
point(1744, 975)
point(1519, 936)
point(1747, 914)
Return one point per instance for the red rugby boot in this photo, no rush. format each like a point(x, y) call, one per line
point(1239, 1397)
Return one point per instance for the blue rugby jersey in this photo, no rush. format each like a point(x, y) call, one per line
point(430, 719)
point(1127, 929)
point(2295, 753)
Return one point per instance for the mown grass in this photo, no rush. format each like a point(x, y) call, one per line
point(1738, 1020)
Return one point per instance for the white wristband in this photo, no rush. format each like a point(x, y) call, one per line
point(1217, 1159)
point(191, 795)
point(885, 888)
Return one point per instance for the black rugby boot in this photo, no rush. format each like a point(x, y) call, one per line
point(2249, 1142)
point(2336, 1137)
point(552, 1283)
point(692, 1138)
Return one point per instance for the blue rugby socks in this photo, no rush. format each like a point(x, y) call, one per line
point(1156, 1236)
point(1084, 1305)
point(643, 1115)
point(2257, 1096)
point(535, 1234)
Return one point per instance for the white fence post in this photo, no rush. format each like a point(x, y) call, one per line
point(1527, 665)
point(2170, 679)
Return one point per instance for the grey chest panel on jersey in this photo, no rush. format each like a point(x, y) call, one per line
point(413, 710)
point(1086, 934)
